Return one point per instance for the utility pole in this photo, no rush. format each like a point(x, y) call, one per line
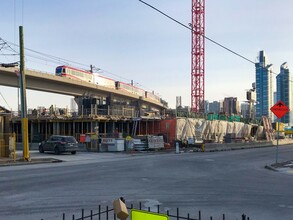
point(24, 119)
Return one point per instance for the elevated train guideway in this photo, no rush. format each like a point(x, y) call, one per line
point(106, 112)
point(55, 84)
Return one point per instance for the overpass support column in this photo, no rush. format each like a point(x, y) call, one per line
point(78, 101)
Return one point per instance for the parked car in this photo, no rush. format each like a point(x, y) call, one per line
point(59, 144)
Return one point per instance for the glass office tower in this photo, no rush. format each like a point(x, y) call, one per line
point(284, 91)
point(264, 87)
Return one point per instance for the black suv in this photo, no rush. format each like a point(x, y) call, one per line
point(59, 144)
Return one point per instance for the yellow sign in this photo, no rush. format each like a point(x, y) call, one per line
point(144, 215)
point(128, 138)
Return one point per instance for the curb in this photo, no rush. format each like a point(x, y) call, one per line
point(228, 147)
point(269, 167)
point(33, 161)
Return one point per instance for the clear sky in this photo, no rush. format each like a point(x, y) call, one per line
point(130, 40)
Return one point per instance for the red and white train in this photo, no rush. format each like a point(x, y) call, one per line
point(130, 88)
point(73, 73)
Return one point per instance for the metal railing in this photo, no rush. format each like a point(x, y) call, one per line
point(108, 214)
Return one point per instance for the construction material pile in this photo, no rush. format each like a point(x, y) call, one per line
point(216, 130)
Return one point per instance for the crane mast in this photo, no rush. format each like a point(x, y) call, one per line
point(197, 56)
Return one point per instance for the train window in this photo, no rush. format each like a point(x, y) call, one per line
point(58, 70)
point(63, 70)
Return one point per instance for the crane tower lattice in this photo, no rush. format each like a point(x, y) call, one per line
point(197, 56)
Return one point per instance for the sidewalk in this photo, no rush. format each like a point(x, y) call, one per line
point(286, 166)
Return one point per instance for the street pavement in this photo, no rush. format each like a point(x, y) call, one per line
point(230, 182)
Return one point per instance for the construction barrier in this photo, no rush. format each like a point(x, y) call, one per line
point(7, 145)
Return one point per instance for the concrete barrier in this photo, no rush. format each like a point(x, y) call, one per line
point(245, 145)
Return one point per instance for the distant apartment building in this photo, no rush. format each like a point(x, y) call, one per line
point(245, 110)
point(284, 91)
point(214, 107)
point(231, 106)
point(251, 98)
point(206, 106)
point(178, 101)
point(264, 87)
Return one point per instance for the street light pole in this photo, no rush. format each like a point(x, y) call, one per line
point(24, 119)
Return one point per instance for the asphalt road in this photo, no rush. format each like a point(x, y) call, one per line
point(230, 182)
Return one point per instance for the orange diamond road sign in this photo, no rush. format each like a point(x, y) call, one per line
point(280, 109)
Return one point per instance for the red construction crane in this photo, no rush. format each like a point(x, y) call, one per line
point(197, 56)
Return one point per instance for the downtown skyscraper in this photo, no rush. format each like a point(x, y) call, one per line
point(264, 87)
point(284, 91)
point(231, 106)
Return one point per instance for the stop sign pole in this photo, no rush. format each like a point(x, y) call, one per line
point(279, 109)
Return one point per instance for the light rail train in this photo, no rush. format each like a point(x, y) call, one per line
point(76, 74)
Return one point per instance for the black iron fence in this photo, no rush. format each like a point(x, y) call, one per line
point(107, 213)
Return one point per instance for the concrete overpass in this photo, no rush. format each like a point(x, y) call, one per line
point(116, 113)
point(45, 82)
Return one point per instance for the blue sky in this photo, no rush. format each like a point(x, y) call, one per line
point(130, 40)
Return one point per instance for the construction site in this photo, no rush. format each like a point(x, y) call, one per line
point(109, 109)
point(97, 132)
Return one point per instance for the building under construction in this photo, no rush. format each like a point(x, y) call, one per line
point(92, 117)
point(99, 122)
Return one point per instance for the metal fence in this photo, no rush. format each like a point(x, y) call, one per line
point(107, 213)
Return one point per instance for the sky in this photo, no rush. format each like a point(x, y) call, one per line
point(129, 41)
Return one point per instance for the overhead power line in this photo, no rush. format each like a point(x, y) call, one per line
point(5, 45)
point(61, 61)
point(5, 100)
point(209, 39)
point(190, 28)
point(9, 51)
point(55, 58)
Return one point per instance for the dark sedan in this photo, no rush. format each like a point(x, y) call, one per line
point(59, 144)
